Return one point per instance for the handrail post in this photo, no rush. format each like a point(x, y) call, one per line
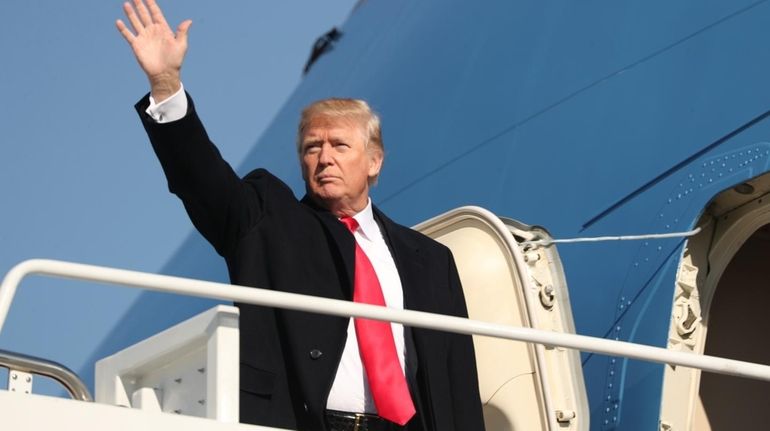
point(43, 367)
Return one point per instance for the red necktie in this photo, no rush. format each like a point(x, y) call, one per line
point(376, 345)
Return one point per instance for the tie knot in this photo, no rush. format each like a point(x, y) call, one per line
point(350, 222)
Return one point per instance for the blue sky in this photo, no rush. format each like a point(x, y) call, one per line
point(78, 180)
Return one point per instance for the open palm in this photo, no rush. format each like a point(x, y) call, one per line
point(158, 50)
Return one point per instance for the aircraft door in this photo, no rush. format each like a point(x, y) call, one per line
point(507, 279)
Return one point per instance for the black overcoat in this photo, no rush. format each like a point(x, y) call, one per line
point(271, 240)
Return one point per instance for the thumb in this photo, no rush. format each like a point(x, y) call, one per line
point(181, 31)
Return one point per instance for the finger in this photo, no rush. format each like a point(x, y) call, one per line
point(156, 13)
point(181, 31)
point(131, 14)
point(125, 31)
point(144, 14)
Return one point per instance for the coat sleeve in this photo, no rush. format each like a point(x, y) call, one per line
point(221, 205)
point(464, 381)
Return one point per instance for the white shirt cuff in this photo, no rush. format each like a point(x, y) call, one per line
point(171, 109)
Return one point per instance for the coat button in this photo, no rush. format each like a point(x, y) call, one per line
point(315, 353)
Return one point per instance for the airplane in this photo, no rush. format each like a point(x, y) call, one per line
point(585, 119)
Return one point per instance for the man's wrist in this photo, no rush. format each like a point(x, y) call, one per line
point(164, 86)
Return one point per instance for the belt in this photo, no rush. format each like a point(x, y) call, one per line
point(347, 421)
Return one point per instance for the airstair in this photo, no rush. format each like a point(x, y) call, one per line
point(186, 377)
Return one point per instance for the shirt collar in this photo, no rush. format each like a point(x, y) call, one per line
point(366, 222)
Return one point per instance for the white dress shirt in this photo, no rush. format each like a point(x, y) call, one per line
point(171, 109)
point(350, 390)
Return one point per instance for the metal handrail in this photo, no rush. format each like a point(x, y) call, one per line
point(264, 297)
point(43, 367)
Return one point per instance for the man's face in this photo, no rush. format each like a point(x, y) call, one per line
point(336, 164)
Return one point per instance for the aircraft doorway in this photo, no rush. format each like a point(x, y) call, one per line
point(720, 307)
point(737, 327)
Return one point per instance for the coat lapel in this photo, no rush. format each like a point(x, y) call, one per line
point(410, 262)
point(408, 259)
point(342, 238)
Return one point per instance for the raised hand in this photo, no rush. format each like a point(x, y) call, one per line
point(158, 50)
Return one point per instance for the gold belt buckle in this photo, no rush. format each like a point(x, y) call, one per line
point(357, 424)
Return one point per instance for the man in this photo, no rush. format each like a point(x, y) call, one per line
point(301, 370)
